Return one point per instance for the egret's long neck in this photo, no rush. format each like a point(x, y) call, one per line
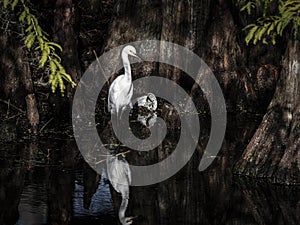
point(123, 207)
point(127, 67)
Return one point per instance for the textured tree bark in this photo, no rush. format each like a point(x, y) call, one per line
point(270, 204)
point(16, 80)
point(66, 35)
point(60, 186)
point(12, 190)
point(247, 74)
point(274, 149)
point(238, 68)
point(32, 113)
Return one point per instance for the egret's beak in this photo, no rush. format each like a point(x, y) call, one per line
point(139, 57)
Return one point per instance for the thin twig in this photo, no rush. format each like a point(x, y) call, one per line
point(116, 155)
point(8, 104)
point(96, 57)
point(123, 153)
point(101, 69)
point(100, 161)
point(43, 127)
point(13, 106)
point(9, 118)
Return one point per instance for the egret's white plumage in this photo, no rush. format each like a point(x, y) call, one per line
point(119, 175)
point(148, 101)
point(121, 89)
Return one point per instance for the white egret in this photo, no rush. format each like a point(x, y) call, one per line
point(148, 101)
point(119, 175)
point(121, 89)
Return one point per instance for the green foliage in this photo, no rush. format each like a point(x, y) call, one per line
point(268, 27)
point(248, 5)
point(35, 36)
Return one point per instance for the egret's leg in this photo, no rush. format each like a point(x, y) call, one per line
point(120, 117)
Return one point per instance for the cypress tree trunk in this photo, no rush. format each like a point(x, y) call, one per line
point(66, 35)
point(16, 80)
point(274, 149)
point(247, 74)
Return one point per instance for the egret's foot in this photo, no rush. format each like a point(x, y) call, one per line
point(127, 220)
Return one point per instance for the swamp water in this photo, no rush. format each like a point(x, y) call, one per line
point(47, 182)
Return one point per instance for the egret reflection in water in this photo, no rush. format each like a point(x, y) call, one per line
point(119, 175)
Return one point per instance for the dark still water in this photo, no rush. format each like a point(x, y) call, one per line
point(47, 182)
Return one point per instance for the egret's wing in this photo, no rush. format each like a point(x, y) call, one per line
point(120, 88)
point(115, 91)
point(115, 88)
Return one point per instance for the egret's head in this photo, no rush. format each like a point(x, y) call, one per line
point(151, 97)
point(130, 50)
point(151, 102)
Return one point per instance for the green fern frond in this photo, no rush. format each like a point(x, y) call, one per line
point(29, 28)
point(56, 57)
point(251, 34)
point(35, 35)
point(30, 42)
point(29, 39)
point(288, 13)
point(248, 7)
point(271, 28)
point(22, 16)
point(262, 31)
point(43, 59)
point(14, 4)
point(55, 44)
point(5, 3)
